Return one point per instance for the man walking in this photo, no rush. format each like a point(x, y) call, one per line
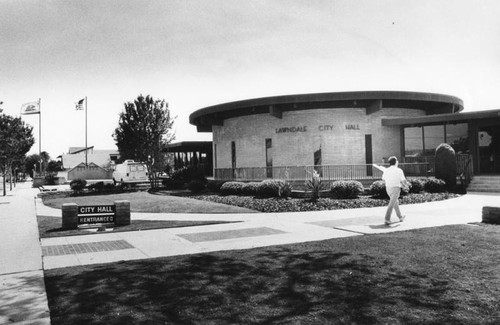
point(393, 178)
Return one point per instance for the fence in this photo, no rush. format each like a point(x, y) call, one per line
point(327, 172)
point(412, 167)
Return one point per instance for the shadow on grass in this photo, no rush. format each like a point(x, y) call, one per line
point(277, 285)
point(52, 226)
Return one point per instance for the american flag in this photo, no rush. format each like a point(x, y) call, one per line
point(79, 105)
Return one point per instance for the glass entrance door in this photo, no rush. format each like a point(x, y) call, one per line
point(489, 150)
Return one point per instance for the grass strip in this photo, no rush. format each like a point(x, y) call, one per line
point(51, 226)
point(444, 275)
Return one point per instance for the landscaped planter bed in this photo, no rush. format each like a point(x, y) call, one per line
point(294, 205)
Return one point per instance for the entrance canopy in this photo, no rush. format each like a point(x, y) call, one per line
point(192, 153)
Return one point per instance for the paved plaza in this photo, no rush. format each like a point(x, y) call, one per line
point(24, 255)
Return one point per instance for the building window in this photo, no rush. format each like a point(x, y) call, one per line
point(233, 154)
point(423, 141)
point(457, 136)
point(215, 155)
point(414, 145)
point(269, 158)
point(433, 137)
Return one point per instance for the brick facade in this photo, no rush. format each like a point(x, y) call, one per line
point(339, 132)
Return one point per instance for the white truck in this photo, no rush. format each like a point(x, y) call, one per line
point(130, 172)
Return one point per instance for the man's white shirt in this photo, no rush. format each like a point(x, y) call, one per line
point(393, 176)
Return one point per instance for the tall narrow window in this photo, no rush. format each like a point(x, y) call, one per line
point(215, 155)
point(368, 154)
point(233, 158)
point(269, 158)
point(414, 142)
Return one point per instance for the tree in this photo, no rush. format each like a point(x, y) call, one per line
point(144, 128)
point(54, 167)
point(446, 165)
point(16, 139)
point(31, 163)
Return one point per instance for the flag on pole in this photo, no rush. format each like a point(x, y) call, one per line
point(79, 105)
point(30, 108)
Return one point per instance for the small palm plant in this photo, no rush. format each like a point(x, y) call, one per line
point(314, 185)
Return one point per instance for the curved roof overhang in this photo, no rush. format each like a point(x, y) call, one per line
point(373, 101)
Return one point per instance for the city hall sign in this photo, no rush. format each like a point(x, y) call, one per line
point(321, 128)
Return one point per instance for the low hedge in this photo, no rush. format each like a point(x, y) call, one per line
point(232, 188)
point(413, 185)
point(416, 185)
point(215, 185)
point(435, 185)
point(250, 189)
point(266, 188)
point(274, 188)
point(77, 185)
point(377, 189)
point(346, 189)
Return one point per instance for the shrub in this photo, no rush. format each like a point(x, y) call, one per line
point(196, 186)
point(50, 179)
point(377, 189)
point(98, 187)
point(417, 185)
point(446, 165)
point(250, 189)
point(274, 188)
point(314, 185)
point(109, 186)
point(77, 185)
point(189, 173)
point(346, 189)
point(215, 185)
point(232, 188)
point(434, 185)
point(172, 184)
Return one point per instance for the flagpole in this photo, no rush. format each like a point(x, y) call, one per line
point(40, 132)
point(40, 126)
point(86, 148)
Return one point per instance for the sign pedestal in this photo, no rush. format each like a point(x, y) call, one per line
point(74, 215)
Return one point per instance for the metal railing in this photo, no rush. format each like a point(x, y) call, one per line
point(327, 172)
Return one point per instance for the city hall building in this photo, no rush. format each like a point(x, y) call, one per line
point(341, 134)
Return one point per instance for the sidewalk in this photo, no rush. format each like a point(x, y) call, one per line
point(252, 230)
point(22, 289)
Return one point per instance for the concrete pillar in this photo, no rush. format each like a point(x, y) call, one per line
point(69, 216)
point(122, 214)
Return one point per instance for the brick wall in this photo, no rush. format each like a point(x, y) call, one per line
point(295, 137)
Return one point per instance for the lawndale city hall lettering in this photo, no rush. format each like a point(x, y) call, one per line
point(321, 128)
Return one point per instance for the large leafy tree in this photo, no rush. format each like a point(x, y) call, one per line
point(144, 128)
point(16, 139)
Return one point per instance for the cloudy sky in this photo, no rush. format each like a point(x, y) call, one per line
point(195, 53)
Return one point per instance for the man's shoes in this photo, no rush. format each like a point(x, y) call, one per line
point(388, 223)
point(402, 218)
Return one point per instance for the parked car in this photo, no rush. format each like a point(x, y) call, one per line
point(130, 172)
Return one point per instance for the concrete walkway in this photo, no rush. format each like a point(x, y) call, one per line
point(251, 230)
point(22, 289)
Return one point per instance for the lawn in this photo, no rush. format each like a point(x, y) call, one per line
point(214, 203)
point(52, 226)
point(444, 275)
point(146, 202)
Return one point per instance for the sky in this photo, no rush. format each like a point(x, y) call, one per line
point(195, 54)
